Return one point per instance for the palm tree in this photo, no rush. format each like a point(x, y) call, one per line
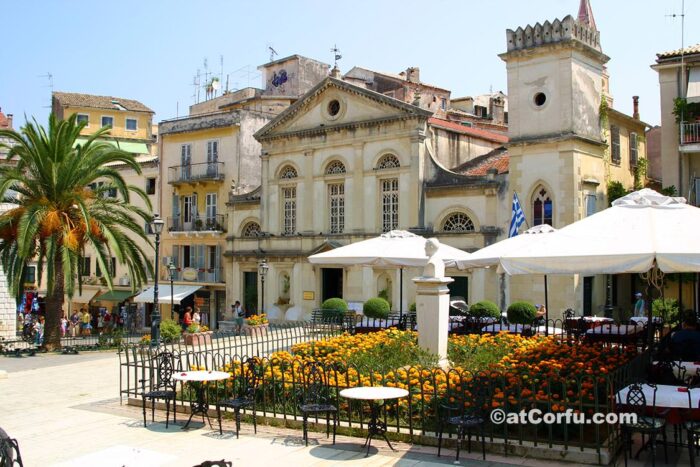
point(56, 216)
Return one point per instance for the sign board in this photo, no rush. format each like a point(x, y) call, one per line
point(309, 295)
point(189, 274)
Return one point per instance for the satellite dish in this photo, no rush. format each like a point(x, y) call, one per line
point(215, 84)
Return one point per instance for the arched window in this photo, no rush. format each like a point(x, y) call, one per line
point(388, 161)
point(251, 229)
point(335, 168)
point(542, 207)
point(458, 222)
point(288, 172)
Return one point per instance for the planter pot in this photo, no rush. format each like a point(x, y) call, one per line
point(197, 338)
point(259, 330)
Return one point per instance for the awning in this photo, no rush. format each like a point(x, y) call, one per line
point(164, 294)
point(116, 295)
point(693, 94)
point(128, 146)
point(85, 297)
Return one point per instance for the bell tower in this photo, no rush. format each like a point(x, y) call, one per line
point(556, 72)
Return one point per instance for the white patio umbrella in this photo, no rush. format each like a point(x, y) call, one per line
point(397, 248)
point(490, 256)
point(643, 232)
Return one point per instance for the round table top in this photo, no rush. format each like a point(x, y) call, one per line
point(373, 393)
point(201, 375)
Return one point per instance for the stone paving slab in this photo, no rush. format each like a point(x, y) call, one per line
point(67, 412)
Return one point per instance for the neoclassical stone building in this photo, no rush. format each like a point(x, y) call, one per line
point(346, 163)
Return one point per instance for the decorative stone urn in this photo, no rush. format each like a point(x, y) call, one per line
point(197, 338)
point(257, 330)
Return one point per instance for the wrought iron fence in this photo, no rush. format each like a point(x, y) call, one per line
point(416, 416)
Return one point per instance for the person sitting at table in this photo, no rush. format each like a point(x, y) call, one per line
point(539, 315)
point(685, 343)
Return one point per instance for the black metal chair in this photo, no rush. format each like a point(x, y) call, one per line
point(691, 423)
point(316, 399)
point(245, 390)
point(469, 412)
point(9, 451)
point(669, 372)
point(162, 386)
point(636, 402)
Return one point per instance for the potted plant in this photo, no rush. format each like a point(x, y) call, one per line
point(198, 224)
point(197, 335)
point(256, 325)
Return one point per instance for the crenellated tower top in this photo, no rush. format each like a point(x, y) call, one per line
point(582, 30)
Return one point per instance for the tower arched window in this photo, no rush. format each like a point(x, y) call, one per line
point(288, 172)
point(251, 229)
point(335, 168)
point(458, 222)
point(542, 207)
point(388, 161)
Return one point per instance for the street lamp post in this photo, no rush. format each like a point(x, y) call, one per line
point(262, 270)
point(172, 269)
point(157, 228)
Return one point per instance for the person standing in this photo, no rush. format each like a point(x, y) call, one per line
point(639, 306)
point(197, 317)
point(64, 325)
point(187, 319)
point(74, 323)
point(238, 314)
point(85, 322)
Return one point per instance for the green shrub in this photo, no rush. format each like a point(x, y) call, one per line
point(334, 309)
point(169, 330)
point(666, 308)
point(376, 308)
point(384, 293)
point(521, 313)
point(485, 309)
point(412, 307)
point(193, 328)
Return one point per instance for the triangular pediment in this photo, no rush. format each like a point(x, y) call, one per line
point(333, 104)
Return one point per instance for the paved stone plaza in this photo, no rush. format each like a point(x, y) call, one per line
point(64, 410)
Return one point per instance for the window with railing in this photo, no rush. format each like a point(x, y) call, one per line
point(336, 201)
point(289, 207)
point(390, 204)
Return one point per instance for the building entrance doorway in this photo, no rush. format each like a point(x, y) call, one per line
point(331, 283)
point(250, 292)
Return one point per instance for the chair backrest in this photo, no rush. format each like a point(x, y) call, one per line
point(9, 451)
point(163, 364)
point(250, 379)
point(637, 402)
point(315, 384)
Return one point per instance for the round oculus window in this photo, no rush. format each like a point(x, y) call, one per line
point(333, 108)
point(540, 98)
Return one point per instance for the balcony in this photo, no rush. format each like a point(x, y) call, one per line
point(198, 224)
point(690, 137)
point(215, 274)
point(196, 173)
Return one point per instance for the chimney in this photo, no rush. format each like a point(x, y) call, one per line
point(335, 72)
point(635, 107)
point(497, 110)
point(413, 74)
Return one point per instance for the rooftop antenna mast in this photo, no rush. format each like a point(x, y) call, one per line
point(273, 53)
point(683, 91)
point(336, 55)
point(49, 77)
point(195, 84)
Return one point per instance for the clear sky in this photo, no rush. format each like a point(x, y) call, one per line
point(150, 50)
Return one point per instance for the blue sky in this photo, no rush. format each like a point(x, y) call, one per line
point(150, 50)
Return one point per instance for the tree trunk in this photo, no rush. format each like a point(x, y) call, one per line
point(54, 310)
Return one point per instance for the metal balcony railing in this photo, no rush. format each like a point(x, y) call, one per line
point(215, 274)
point(192, 173)
point(215, 223)
point(690, 133)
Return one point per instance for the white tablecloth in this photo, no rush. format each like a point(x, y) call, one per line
point(615, 329)
point(373, 393)
point(641, 320)
point(200, 376)
point(668, 397)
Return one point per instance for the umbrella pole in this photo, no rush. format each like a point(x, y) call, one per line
point(546, 308)
point(400, 294)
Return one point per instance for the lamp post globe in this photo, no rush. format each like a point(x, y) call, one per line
point(262, 270)
point(157, 229)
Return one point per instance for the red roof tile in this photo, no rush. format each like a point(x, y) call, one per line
point(479, 166)
point(472, 131)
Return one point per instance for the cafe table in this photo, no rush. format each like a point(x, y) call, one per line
point(376, 396)
point(667, 396)
point(199, 405)
point(620, 333)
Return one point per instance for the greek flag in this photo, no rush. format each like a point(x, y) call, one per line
point(517, 217)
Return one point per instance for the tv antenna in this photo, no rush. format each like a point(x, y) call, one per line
point(273, 52)
point(336, 55)
point(49, 77)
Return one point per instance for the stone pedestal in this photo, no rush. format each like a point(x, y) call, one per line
point(432, 314)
